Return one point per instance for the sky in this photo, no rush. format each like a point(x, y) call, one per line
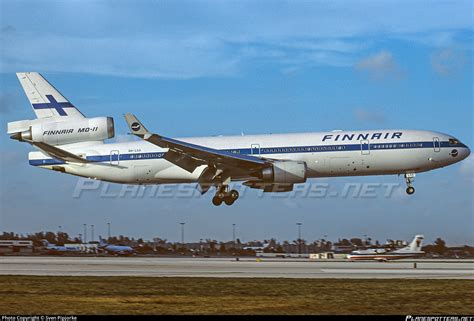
point(201, 68)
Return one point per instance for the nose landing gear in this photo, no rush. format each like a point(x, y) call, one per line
point(409, 178)
point(224, 195)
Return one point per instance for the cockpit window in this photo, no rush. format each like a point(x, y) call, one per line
point(453, 141)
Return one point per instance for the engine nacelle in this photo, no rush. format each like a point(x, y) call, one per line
point(285, 172)
point(68, 132)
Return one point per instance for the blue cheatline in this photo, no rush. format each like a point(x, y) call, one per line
point(263, 151)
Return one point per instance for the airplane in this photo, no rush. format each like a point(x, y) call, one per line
point(71, 143)
point(115, 249)
point(61, 249)
point(382, 255)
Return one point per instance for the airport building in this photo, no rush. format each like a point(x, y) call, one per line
point(16, 246)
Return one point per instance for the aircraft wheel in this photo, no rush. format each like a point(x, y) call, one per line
point(410, 190)
point(231, 197)
point(234, 194)
point(229, 201)
point(216, 200)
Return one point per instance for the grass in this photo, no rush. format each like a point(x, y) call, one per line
point(137, 295)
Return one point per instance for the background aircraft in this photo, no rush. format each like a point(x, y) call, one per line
point(121, 250)
point(59, 249)
point(410, 251)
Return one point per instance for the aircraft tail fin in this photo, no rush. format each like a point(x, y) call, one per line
point(47, 101)
point(102, 241)
point(414, 246)
point(135, 125)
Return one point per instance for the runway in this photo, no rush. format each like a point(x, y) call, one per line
point(231, 268)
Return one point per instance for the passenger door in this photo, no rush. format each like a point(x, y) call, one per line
point(365, 147)
point(114, 157)
point(436, 144)
point(255, 150)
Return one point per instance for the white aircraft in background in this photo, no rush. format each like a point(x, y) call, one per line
point(69, 142)
point(410, 251)
point(59, 249)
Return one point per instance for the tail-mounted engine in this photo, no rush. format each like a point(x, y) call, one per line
point(63, 132)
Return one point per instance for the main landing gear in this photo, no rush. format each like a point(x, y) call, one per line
point(224, 195)
point(409, 178)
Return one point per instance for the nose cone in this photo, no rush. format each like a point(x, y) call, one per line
point(458, 154)
point(464, 153)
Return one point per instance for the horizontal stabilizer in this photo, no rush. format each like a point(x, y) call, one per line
point(59, 153)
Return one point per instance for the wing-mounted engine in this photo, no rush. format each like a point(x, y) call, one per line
point(279, 176)
point(284, 172)
point(62, 132)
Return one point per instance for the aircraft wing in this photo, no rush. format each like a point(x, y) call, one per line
point(189, 156)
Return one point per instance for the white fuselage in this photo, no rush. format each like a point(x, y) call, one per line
point(386, 256)
point(337, 153)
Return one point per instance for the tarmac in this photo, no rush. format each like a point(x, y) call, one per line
point(233, 268)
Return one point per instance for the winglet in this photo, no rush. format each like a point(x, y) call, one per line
point(136, 127)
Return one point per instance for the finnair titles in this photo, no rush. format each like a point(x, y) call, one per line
point(345, 137)
point(69, 142)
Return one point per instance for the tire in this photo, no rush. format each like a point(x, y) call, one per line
point(229, 201)
point(216, 201)
point(234, 194)
point(410, 190)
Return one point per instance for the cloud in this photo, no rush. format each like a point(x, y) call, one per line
point(159, 41)
point(340, 45)
point(369, 116)
point(380, 66)
point(145, 57)
point(182, 57)
point(448, 61)
point(431, 38)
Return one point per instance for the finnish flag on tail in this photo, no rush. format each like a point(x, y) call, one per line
point(46, 101)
